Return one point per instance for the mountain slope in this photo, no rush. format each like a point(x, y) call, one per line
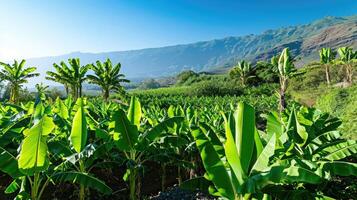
point(303, 40)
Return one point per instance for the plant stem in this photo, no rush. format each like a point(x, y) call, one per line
point(81, 187)
point(179, 177)
point(132, 184)
point(35, 186)
point(43, 188)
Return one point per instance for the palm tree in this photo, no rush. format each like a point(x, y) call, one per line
point(327, 57)
point(243, 71)
point(348, 58)
point(16, 75)
point(287, 70)
point(107, 76)
point(71, 77)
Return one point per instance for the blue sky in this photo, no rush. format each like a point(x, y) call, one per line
point(33, 28)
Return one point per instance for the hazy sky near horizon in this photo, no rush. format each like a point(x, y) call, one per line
point(33, 28)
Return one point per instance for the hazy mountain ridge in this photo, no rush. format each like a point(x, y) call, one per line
point(303, 40)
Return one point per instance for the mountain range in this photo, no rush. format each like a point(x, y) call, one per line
point(220, 54)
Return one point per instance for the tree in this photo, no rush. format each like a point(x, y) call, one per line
point(327, 57)
point(268, 71)
point(107, 76)
point(62, 75)
point(286, 70)
point(186, 75)
point(79, 75)
point(41, 91)
point(71, 77)
point(348, 58)
point(149, 84)
point(243, 70)
point(16, 75)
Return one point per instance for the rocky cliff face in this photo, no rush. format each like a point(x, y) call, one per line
point(335, 36)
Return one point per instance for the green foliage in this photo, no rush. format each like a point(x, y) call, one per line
point(242, 71)
point(16, 75)
point(185, 76)
point(348, 58)
point(79, 127)
point(341, 103)
point(210, 130)
point(33, 157)
point(267, 72)
point(149, 84)
point(213, 88)
point(302, 147)
point(107, 76)
point(71, 77)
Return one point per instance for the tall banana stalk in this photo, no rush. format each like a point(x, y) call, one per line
point(327, 57)
point(348, 58)
point(286, 71)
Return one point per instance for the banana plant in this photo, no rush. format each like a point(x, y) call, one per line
point(16, 75)
point(287, 70)
point(33, 159)
point(130, 138)
point(311, 140)
point(348, 58)
point(327, 57)
point(241, 167)
point(79, 160)
point(313, 135)
point(243, 70)
point(34, 166)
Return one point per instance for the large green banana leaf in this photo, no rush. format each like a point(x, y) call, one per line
point(9, 164)
point(162, 126)
point(217, 144)
point(262, 162)
point(232, 154)
point(244, 134)
point(296, 130)
point(296, 174)
point(134, 112)
point(257, 143)
point(340, 168)
point(125, 134)
point(79, 128)
point(341, 150)
point(322, 139)
point(215, 168)
point(13, 186)
point(274, 124)
point(61, 109)
point(33, 156)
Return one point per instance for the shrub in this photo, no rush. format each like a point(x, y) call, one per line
point(149, 84)
point(342, 103)
point(213, 88)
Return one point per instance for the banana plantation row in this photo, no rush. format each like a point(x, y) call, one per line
point(46, 143)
